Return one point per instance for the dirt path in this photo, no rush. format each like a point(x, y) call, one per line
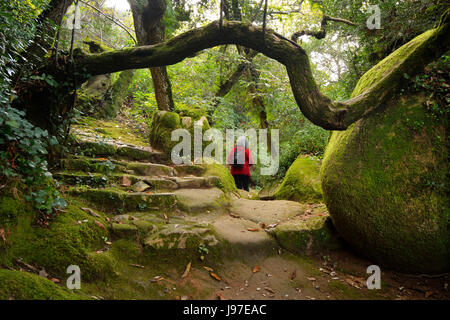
point(255, 262)
point(263, 270)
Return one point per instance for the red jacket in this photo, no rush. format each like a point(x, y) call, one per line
point(245, 169)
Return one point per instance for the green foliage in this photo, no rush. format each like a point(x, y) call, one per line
point(22, 158)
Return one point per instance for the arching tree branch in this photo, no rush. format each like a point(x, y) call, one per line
point(320, 34)
point(318, 108)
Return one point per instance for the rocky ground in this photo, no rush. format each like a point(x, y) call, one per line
point(182, 232)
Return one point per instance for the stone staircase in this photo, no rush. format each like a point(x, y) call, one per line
point(181, 208)
point(144, 197)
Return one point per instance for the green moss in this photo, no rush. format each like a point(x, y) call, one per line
point(193, 113)
point(118, 94)
point(69, 240)
point(388, 64)
point(97, 149)
point(116, 200)
point(161, 127)
point(225, 181)
point(306, 236)
point(111, 129)
point(302, 182)
point(19, 285)
point(125, 231)
point(376, 178)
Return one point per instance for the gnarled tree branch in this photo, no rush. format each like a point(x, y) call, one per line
point(318, 108)
point(320, 34)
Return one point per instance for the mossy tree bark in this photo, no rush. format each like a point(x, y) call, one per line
point(149, 28)
point(118, 93)
point(318, 108)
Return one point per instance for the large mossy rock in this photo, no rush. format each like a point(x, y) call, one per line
point(382, 179)
point(161, 127)
point(164, 122)
point(302, 181)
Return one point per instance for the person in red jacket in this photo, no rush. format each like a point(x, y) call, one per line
point(241, 160)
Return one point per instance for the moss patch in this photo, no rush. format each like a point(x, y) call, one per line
point(302, 181)
point(225, 181)
point(19, 285)
point(306, 236)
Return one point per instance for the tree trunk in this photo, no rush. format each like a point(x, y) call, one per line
point(147, 16)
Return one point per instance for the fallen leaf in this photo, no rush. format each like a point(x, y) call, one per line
point(215, 276)
point(137, 265)
point(208, 269)
point(293, 275)
point(54, 280)
point(220, 296)
point(234, 215)
point(186, 271)
point(102, 159)
point(428, 294)
point(311, 278)
point(98, 223)
point(91, 212)
point(269, 290)
point(166, 218)
point(2, 235)
point(352, 283)
point(15, 193)
point(256, 269)
point(253, 229)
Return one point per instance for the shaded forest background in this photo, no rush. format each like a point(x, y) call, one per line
point(235, 88)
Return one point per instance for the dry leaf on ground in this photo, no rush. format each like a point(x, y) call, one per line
point(256, 269)
point(98, 223)
point(220, 296)
point(215, 276)
point(91, 212)
point(186, 271)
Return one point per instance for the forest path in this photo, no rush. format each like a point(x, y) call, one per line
point(199, 242)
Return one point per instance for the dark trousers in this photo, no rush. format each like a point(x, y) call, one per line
point(242, 181)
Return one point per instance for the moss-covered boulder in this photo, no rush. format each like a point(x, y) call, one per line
point(161, 127)
point(164, 122)
point(20, 285)
point(302, 181)
point(306, 236)
point(384, 181)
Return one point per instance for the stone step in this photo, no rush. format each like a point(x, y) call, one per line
point(118, 201)
point(307, 234)
point(120, 151)
point(105, 166)
point(136, 183)
point(202, 200)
